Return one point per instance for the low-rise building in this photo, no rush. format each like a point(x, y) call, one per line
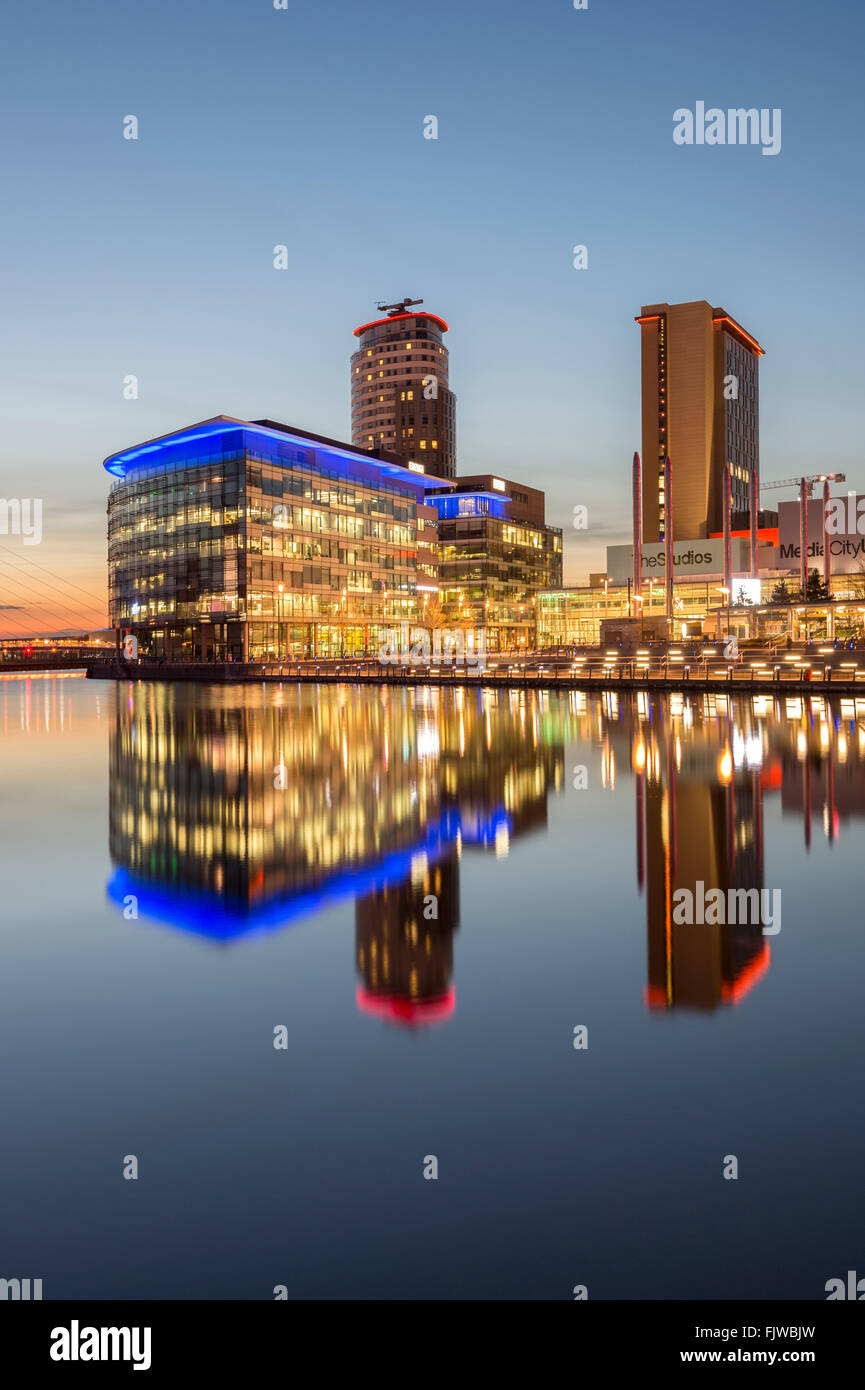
point(496, 552)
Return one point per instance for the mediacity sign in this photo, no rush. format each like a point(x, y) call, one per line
point(845, 524)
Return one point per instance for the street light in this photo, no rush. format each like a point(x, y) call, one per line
point(722, 588)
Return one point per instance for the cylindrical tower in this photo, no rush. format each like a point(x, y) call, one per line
point(827, 539)
point(400, 398)
point(727, 506)
point(637, 501)
point(755, 504)
point(803, 536)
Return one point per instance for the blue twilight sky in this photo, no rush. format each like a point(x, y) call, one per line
point(304, 126)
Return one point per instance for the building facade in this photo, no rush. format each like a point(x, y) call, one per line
point(573, 616)
point(700, 406)
point(400, 398)
point(250, 540)
point(495, 553)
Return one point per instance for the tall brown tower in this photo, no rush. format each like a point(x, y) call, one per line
point(700, 393)
point(400, 398)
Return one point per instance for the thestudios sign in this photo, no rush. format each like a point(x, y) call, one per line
point(689, 558)
point(845, 525)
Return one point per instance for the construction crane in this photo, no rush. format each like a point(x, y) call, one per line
point(809, 482)
point(393, 309)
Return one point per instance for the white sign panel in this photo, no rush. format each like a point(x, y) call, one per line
point(846, 525)
point(690, 558)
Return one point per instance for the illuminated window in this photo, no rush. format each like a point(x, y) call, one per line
point(409, 395)
point(435, 443)
point(423, 443)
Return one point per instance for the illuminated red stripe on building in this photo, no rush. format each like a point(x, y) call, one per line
point(375, 323)
point(734, 327)
point(401, 1008)
point(734, 993)
point(765, 533)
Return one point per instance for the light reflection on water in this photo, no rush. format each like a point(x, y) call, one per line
point(229, 814)
point(382, 868)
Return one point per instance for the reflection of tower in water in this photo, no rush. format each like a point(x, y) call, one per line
point(231, 813)
point(404, 944)
point(495, 771)
point(703, 825)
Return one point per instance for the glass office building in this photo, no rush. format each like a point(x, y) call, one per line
point(250, 540)
point(495, 554)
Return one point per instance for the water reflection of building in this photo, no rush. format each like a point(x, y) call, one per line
point(697, 833)
point(237, 811)
point(699, 783)
point(703, 767)
point(232, 811)
point(493, 791)
point(496, 788)
point(822, 777)
point(404, 944)
point(699, 780)
point(229, 815)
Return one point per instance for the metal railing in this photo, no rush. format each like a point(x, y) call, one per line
point(704, 667)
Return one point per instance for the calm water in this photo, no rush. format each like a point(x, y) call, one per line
point(286, 853)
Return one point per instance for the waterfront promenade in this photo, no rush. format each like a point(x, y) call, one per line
point(701, 667)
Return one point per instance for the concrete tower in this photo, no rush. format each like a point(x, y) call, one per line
point(400, 398)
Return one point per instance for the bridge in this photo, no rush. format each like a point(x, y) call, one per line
point(36, 654)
